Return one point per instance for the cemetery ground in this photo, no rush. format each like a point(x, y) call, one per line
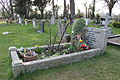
point(106, 66)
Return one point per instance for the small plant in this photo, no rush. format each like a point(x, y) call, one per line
point(39, 50)
point(116, 24)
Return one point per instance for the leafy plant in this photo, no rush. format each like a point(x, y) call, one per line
point(116, 24)
point(78, 31)
point(78, 26)
point(39, 50)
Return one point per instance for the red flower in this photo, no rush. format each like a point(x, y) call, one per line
point(83, 45)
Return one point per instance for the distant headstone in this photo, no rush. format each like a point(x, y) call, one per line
point(103, 22)
point(87, 21)
point(20, 20)
point(65, 19)
point(110, 32)
point(52, 21)
point(34, 23)
point(107, 20)
point(96, 38)
point(26, 22)
point(42, 25)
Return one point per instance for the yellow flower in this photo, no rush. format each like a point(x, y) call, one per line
point(81, 40)
point(64, 54)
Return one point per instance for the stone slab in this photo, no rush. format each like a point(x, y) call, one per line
point(96, 38)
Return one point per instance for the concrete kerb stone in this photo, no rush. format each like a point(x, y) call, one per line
point(17, 64)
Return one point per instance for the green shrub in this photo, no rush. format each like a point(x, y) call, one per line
point(78, 26)
point(116, 24)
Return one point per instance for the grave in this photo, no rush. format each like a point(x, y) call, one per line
point(87, 21)
point(20, 20)
point(112, 39)
point(95, 37)
point(34, 23)
point(52, 21)
point(106, 23)
point(41, 30)
point(26, 23)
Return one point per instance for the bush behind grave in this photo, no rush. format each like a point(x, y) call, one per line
point(116, 24)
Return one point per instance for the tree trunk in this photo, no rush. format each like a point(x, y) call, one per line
point(42, 14)
point(72, 8)
point(65, 8)
point(110, 11)
point(86, 12)
point(93, 10)
point(53, 8)
point(11, 8)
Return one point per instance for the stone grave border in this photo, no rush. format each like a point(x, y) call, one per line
point(114, 43)
point(18, 66)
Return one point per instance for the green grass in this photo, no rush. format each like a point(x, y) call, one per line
point(106, 66)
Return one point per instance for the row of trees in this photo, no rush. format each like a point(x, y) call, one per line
point(24, 8)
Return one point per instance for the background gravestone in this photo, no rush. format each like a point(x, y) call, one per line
point(52, 21)
point(20, 20)
point(87, 21)
point(109, 33)
point(96, 38)
point(26, 22)
point(103, 22)
point(34, 23)
point(42, 25)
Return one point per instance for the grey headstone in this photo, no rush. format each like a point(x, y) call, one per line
point(103, 22)
point(20, 20)
point(52, 21)
point(34, 23)
point(87, 21)
point(96, 38)
point(107, 20)
point(26, 22)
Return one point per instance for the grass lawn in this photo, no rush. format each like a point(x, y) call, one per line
point(106, 66)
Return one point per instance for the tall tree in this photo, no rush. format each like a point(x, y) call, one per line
point(86, 9)
point(56, 10)
point(5, 7)
point(53, 5)
point(22, 7)
point(110, 4)
point(72, 8)
point(65, 13)
point(93, 9)
point(41, 4)
point(11, 8)
point(67, 10)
